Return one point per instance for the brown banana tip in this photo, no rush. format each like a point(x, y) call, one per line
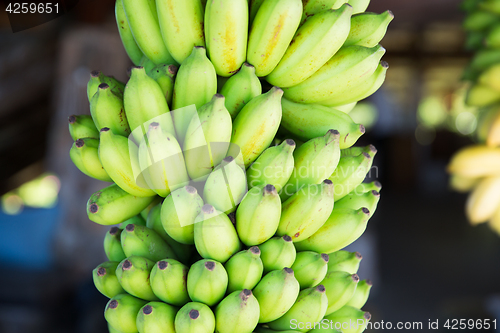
point(270, 189)
point(95, 73)
point(172, 69)
point(384, 64)
point(367, 316)
point(333, 132)
point(130, 227)
point(191, 190)
point(375, 193)
point(288, 270)
point(154, 125)
point(94, 208)
point(255, 250)
point(377, 184)
point(136, 67)
point(372, 148)
point(162, 265)
point(113, 231)
point(127, 265)
point(355, 277)
point(246, 64)
point(362, 129)
point(391, 14)
point(207, 209)
point(365, 154)
point(290, 142)
point(148, 309)
point(365, 210)
point(194, 314)
point(72, 119)
point(247, 292)
point(369, 282)
point(321, 288)
point(103, 86)
point(200, 47)
point(210, 265)
point(325, 257)
point(287, 238)
point(79, 143)
point(328, 182)
point(228, 159)
point(113, 304)
point(219, 95)
point(358, 255)
point(101, 271)
point(104, 129)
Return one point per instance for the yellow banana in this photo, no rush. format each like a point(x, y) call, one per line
point(368, 29)
point(493, 137)
point(481, 95)
point(463, 184)
point(484, 200)
point(226, 32)
point(271, 32)
point(475, 161)
point(316, 41)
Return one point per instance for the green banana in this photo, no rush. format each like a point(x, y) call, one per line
point(257, 123)
point(82, 126)
point(105, 279)
point(141, 241)
point(133, 275)
point(274, 166)
point(107, 110)
point(338, 76)
point(111, 329)
point(156, 317)
point(178, 213)
point(312, 7)
point(146, 63)
point(490, 77)
point(316, 41)
point(368, 29)
point(490, 6)
point(97, 78)
point(340, 287)
point(113, 245)
point(143, 20)
point(118, 156)
point(145, 103)
point(350, 172)
point(214, 235)
point(342, 228)
point(240, 88)
point(277, 253)
point(226, 32)
point(359, 6)
point(195, 317)
point(365, 187)
point(361, 294)
point(258, 215)
point(271, 32)
point(237, 313)
point(161, 161)
point(355, 151)
point(306, 211)
point(133, 51)
point(244, 269)
point(474, 40)
point(350, 319)
point(344, 261)
point(309, 308)
point(355, 200)
point(276, 293)
point(310, 268)
point(182, 251)
point(308, 121)
point(168, 281)
point(84, 155)
point(181, 25)
point(207, 138)
point(315, 161)
point(225, 186)
point(254, 7)
point(362, 90)
point(207, 282)
point(481, 95)
point(121, 312)
point(164, 75)
point(112, 205)
point(483, 59)
point(195, 83)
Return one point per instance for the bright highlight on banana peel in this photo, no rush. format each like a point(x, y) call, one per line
point(236, 181)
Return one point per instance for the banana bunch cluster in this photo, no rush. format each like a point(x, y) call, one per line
point(235, 180)
point(477, 168)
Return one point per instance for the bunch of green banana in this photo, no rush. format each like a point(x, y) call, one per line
point(236, 182)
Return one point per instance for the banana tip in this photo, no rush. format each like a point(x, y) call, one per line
point(321, 288)
point(288, 270)
point(94, 208)
point(365, 211)
point(95, 73)
point(130, 227)
point(327, 182)
point(362, 129)
point(210, 265)
point(191, 189)
point(127, 265)
point(355, 278)
point(358, 255)
point(377, 184)
point(367, 316)
point(113, 304)
point(365, 154)
point(290, 142)
point(369, 282)
point(103, 86)
point(255, 250)
point(79, 143)
point(270, 189)
point(228, 159)
point(245, 294)
point(325, 257)
point(194, 314)
point(101, 271)
point(375, 193)
point(384, 64)
point(72, 119)
point(287, 238)
point(113, 231)
point(207, 209)
point(162, 265)
point(104, 129)
point(148, 309)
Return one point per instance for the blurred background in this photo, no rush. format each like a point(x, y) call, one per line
point(425, 260)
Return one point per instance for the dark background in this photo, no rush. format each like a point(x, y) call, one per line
point(425, 260)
